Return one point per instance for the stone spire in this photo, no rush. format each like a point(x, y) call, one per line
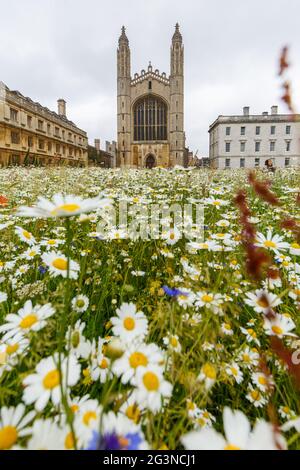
point(123, 39)
point(177, 35)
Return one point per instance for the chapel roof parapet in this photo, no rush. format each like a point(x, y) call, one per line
point(150, 74)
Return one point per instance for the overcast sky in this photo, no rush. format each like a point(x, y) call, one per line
point(67, 48)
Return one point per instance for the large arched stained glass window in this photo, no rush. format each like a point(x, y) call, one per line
point(150, 119)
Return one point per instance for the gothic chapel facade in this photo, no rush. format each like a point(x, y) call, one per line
point(150, 111)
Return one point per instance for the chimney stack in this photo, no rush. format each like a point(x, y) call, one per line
point(274, 110)
point(246, 110)
point(97, 144)
point(61, 107)
point(265, 113)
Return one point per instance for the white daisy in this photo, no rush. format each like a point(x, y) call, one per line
point(129, 324)
point(136, 356)
point(63, 206)
point(208, 375)
point(45, 384)
point(262, 301)
point(172, 341)
point(77, 344)
point(25, 236)
point(238, 435)
point(45, 435)
point(272, 242)
point(80, 303)
point(152, 388)
point(279, 325)
point(13, 425)
point(58, 265)
point(27, 319)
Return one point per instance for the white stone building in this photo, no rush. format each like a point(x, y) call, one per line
point(151, 110)
point(247, 141)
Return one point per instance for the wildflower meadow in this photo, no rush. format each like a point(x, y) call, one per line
point(109, 340)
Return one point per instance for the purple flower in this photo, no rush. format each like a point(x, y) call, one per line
point(172, 292)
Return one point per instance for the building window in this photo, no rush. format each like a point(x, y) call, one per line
point(288, 145)
point(64, 150)
point(150, 85)
point(227, 147)
point(48, 129)
point(243, 146)
point(63, 134)
point(256, 163)
point(227, 162)
point(49, 146)
point(243, 130)
point(57, 148)
point(57, 132)
point(30, 142)
point(257, 130)
point(272, 146)
point(257, 146)
point(13, 114)
point(70, 152)
point(150, 119)
point(41, 144)
point(15, 137)
point(242, 163)
point(29, 122)
point(228, 130)
point(288, 130)
point(287, 162)
point(273, 130)
point(41, 125)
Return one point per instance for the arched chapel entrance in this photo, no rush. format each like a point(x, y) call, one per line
point(150, 161)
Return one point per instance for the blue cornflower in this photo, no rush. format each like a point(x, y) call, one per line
point(172, 292)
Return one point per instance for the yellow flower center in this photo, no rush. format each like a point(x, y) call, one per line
point(129, 323)
point(74, 408)
point(137, 359)
point(27, 235)
point(51, 242)
point(151, 381)
point(227, 326)
point(220, 235)
point(88, 416)
point(51, 380)
point(80, 303)
point(246, 357)
point(8, 437)
point(60, 263)
point(12, 348)
point(295, 245)
point(28, 321)
point(32, 253)
point(207, 298)
point(69, 441)
point(251, 333)
point(133, 413)
point(269, 244)
point(255, 395)
point(262, 380)
point(174, 342)
point(216, 203)
point(232, 447)
point(172, 235)
point(103, 364)
point(234, 371)
point(209, 371)
point(277, 330)
point(66, 208)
